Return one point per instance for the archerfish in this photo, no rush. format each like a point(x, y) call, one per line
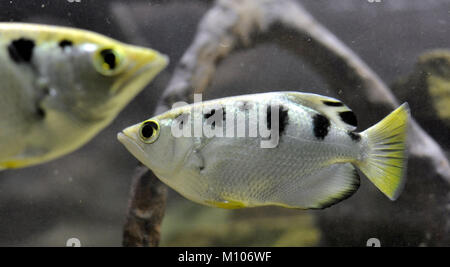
point(312, 164)
point(60, 86)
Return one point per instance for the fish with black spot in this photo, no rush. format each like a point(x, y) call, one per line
point(313, 166)
point(61, 86)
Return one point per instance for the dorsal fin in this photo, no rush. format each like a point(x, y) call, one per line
point(332, 108)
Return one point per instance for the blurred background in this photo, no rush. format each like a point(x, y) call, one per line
point(85, 194)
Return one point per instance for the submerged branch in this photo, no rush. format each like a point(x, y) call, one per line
point(238, 24)
point(145, 211)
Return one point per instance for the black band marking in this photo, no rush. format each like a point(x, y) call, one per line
point(212, 113)
point(21, 50)
point(181, 118)
point(321, 124)
point(283, 118)
point(208, 115)
point(349, 118)
point(65, 43)
point(354, 136)
point(40, 112)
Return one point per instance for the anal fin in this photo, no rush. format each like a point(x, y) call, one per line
point(321, 189)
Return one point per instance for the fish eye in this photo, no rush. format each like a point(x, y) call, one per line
point(149, 131)
point(109, 61)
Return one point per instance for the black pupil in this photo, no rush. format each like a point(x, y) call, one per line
point(109, 57)
point(148, 129)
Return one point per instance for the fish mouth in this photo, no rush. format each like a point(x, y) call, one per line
point(133, 147)
point(146, 68)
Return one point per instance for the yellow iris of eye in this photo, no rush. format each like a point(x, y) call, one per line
point(109, 61)
point(149, 131)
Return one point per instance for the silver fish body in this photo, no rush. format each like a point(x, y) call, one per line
point(61, 86)
point(311, 164)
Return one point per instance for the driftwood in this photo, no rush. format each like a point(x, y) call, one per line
point(241, 24)
point(146, 210)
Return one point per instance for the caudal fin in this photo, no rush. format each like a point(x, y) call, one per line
point(385, 164)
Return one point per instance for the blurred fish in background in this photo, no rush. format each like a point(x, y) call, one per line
point(61, 86)
point(85, 193)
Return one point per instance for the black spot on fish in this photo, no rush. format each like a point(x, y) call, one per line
point(333, 104)
point(65, 43)
point(349, 118)
point(212, 113)
point(320, 126)
point(244, 106)
point(180, 119)
point(354, 136)
point(21, 50)
point(40, 112)
point(283, 118)
point(208, 115)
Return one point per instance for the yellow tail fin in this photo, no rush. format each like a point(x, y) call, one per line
point(385, 164)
